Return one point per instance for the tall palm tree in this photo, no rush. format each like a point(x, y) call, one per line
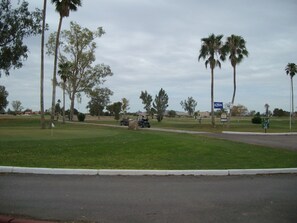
point(291, 69)
point(235, 47)
point(64, 73)
point(266, 106)
point(211, 51)
point(63, 7)
point(42, 119)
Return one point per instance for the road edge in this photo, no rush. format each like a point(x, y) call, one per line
point(110, 172)
point(260, 133)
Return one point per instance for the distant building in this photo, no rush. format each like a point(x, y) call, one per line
point(28, 112)
point(183, 114)
point(205, 114)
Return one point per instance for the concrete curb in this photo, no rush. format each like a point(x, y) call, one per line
point(53, 171)
point(163, 172)
point(106, 172)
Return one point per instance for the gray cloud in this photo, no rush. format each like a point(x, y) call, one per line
point(151, 44)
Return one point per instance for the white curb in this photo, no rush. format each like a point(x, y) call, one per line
point(262, 171)
point(107, 172)
point(164, 172)
point(54, 171)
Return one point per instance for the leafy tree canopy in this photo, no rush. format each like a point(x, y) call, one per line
point(189, 105)
point(125, 105)
point(171, 113)
point(160, 104)
point(115, 109)
point(239, 110)
point(280, 112)
point(147, 101)
point(77, 49)
point(3, 98)
point(17, 106)
point(100, 97)
point(16, 23)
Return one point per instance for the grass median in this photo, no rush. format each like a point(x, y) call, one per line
point(23, 143)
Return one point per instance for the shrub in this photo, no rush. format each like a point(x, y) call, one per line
point(256, 120)
point(171, 113)
point(81, 117)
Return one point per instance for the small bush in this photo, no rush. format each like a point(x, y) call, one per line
point(256, 120)
point(81, 117)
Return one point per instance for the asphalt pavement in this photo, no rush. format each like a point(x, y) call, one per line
point(271, 140)
point(267, 198)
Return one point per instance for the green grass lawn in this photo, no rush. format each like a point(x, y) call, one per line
point(241, 124)
point(23, 143)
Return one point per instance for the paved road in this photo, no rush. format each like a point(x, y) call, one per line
point(276, 141)
point(151, 199)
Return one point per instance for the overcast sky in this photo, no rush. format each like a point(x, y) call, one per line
point(154, 44)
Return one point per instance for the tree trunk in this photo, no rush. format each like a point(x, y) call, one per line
point(292, 114)
point(55, 71)
point(42, 119)
point(234, 84)
point(64, 101)
point(234, 92)
point(292, 97)
point(72, 98)
point(212, 96)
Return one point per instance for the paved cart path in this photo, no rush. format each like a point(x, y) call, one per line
point(285, 141)
point(275, 141)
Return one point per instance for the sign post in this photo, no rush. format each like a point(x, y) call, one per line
point(265, 124)
point(224, 118)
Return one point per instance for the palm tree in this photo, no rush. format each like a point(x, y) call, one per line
point(64, 73)
point(63, 7)
point(266, 106)
point(235, 47)
point(42, 119)
point(291, 69)
point(210, 50)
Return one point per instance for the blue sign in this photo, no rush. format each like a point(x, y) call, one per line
point(218, 105)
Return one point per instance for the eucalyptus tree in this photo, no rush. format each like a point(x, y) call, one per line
point(146, 101)
point(115, 109)
point(189, 105)
point(235, 47)
point(125, 106)
point(63, 7)
point(16, 23)
point(212, 52)
point(17, 107)
point(77, 47)
point(291, 69)
point(160, 104)
point(3, 98)
point(100, 98)
point(42, 119)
